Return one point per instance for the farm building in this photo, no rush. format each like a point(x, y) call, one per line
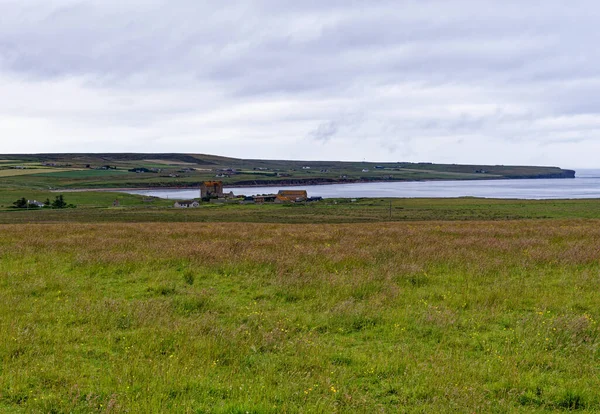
point(291, 196)
point(259, 199)
point(187, 204)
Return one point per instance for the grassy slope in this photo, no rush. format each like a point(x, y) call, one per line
point(410, 317)
point(206, 167)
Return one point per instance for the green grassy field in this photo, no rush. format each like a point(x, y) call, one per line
point(81, 174)
point(7, 173)
point(98, 207)
point(378, 305)
point(427, 316)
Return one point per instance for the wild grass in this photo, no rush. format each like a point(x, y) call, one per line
point(270, 318)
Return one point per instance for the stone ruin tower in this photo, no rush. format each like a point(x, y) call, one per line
point(211, 189)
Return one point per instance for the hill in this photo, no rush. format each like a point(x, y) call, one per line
point(136, 170)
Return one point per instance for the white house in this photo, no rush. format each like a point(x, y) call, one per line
point(187, 204)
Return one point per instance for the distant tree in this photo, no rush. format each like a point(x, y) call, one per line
point(47, 202)
point(143, 170)
point(21, 203)
point(59, 202)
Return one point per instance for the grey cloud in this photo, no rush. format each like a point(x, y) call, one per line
point(325, 131)
point(415, 71)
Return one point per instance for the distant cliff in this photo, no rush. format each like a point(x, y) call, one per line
point(318, 181)
point(561, 174)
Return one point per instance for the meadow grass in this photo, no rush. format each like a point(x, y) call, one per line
point(433, 316)
point(93, 207)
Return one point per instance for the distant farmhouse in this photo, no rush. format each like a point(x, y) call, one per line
point(138, 170)
point(213, 191)
point(291, 196)
point(260, 199)
point(187, 204)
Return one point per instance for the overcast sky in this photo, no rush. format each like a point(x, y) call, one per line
point(453, 81)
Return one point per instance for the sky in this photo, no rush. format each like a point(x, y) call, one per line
point(449, 81)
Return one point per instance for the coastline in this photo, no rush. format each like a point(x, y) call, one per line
point(295, 184)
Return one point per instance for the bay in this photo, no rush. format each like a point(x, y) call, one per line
point(585, 185)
